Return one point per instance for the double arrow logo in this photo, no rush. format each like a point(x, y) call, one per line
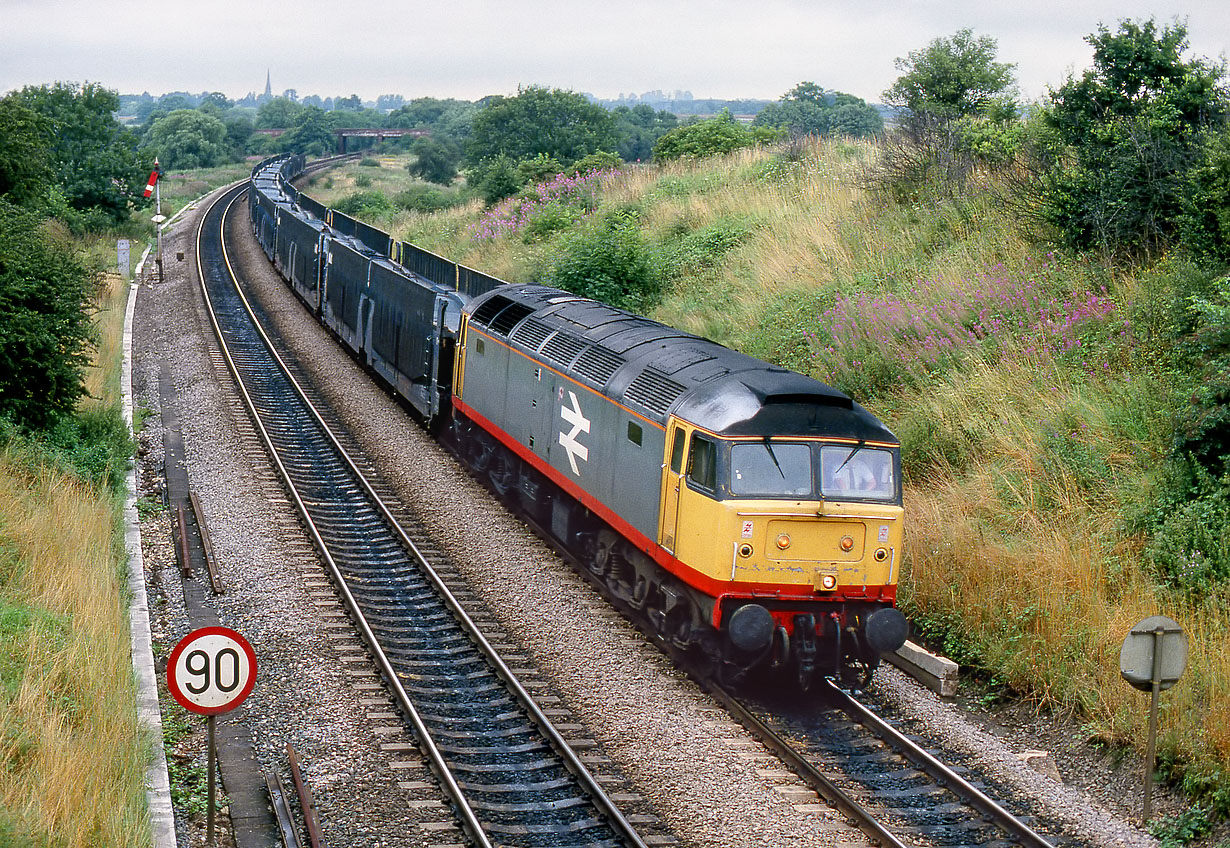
point(580, 424)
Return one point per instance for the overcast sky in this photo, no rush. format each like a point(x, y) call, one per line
point(471, 48)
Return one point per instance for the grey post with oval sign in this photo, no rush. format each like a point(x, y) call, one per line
point(1152, 659)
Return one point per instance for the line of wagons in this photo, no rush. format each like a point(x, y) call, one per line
point(745, 511)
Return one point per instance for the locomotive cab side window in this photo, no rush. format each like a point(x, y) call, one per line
point(677, 450)
point(702, 463)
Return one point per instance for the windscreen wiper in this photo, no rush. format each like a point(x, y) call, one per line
point(773, 457)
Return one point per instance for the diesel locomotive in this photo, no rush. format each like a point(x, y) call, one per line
point(744, 511)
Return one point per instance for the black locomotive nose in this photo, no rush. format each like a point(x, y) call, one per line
point(750, 628)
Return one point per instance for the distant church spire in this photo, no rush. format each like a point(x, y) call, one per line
point(268, 85)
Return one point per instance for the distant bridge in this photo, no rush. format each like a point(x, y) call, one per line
point(364, 132)
point(378, 134)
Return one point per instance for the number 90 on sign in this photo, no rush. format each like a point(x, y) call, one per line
point(211, 670)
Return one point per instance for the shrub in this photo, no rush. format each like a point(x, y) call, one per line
point(496, 179)
point(538, 169)
point(365, 205)
point(705, 248)
point(1205, 220)
point(369, 162)
point(45, 315)
point(600, 161)
point(607, 261)
point(425, 198)
point(96, 445)
point(719, 134)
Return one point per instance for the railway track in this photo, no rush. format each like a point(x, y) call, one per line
point(896, 792)
point(509, 775)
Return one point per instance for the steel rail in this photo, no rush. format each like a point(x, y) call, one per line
point(501, 668)
point(936, 769)
point(463, 810)
point(871, 827)
point(571, 760)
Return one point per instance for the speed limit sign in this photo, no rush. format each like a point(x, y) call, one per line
point(211, 670)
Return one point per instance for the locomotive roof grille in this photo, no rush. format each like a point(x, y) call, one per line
point(509, 318)
point(489, 308)
point(563, 347)
point(532, 334)
point(653, 390)
point(598, 364)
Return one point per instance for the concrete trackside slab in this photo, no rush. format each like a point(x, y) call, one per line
point(939, 674)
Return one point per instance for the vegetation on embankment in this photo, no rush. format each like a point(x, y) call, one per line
point(1039, 396)
point(72, 758)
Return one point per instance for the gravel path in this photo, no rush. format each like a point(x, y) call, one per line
point(709, 782)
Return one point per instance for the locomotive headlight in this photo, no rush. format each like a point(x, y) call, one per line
point(745, 550)
point(783, 541)
point(828, 582)
point(881, 554)
point(847, 543)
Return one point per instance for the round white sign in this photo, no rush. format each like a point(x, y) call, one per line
point(211, 670)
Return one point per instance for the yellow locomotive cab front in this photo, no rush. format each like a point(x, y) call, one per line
point(786, 517)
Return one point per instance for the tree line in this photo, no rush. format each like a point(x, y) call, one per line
point(1130, 156)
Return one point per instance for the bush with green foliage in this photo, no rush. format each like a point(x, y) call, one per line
point(425, 198)
point(1204, 222)
point(1188, 546)
point(710, 137)
point(94, 161)
point(807, 109)
point(951, 78)
point(1126, 134)
point(186, 139)
point(434, 161)
point(365, 205)
point(607, 260)
point(45, 328)
point(597, 161)
point(24, 168)
point(537, 125)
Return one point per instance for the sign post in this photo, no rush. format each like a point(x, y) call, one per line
point(1153, 658)
point(211, 671)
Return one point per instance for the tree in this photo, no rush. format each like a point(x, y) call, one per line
point(25, 167)
point(719, 134)
point(951, 78)
point(312, 133)
point(557, 123)
point(187, 138)
point(1126, 134)
point(45, 329)
point(639, 129)
point(807, 109)
point(93, 159)
point(278, 114)
point(348, 104)
point(434, 160)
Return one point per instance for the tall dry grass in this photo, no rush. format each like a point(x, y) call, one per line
point(72, 758)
